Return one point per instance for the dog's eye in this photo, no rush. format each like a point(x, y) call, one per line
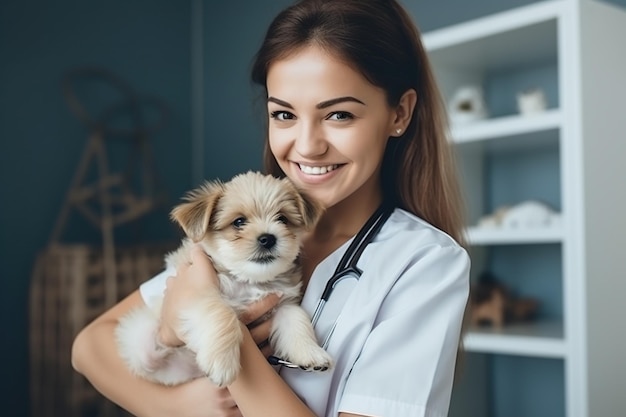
point(282, 218)
point(239, 222)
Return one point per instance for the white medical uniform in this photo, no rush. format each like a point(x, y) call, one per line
point(396, 330)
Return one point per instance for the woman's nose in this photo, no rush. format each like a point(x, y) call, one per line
point(310, 141)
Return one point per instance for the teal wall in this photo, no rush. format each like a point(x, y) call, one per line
point(144, 41)
point(234, 115)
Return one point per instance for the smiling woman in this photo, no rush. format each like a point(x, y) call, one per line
point(329, 126)
point(355, 121)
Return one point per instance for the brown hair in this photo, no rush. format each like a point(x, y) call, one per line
point(379, 39)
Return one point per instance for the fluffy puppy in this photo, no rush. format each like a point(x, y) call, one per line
point(251, 227)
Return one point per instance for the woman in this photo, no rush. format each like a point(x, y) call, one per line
point(354, 119)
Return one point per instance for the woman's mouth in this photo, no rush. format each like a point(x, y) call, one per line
point(317, 170)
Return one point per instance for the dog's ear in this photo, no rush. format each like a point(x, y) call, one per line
point(194, 215)
point(310, 209)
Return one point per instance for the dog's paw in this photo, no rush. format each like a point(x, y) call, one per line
point(310, 358)
point(213, 332)
point(220, 367)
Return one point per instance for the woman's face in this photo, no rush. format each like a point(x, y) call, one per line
point(328, 127)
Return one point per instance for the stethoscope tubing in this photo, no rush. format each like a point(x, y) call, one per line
point(346, 268)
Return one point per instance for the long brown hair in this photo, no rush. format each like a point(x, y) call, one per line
point(379, 39)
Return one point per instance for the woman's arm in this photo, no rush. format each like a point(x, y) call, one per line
point(94, 354)
point(258, 389)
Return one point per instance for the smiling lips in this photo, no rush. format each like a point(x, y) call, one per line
point(318, 170)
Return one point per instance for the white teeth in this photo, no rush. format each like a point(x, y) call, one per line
point(317, 170)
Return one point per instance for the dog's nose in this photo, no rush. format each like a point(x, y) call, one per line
point(267, 240)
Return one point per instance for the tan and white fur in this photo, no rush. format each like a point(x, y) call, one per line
point(251, 227)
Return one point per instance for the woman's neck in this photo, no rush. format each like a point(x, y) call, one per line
point(344, 219)
point(339, 224)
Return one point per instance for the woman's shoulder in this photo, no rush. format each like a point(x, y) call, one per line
point(410, 229)
point(412, 253)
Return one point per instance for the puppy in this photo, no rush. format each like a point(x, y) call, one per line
point(251, 227)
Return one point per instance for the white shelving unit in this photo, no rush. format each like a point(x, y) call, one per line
point(543, 340)
point(508, 127)
point(583, 347)
point(477, 236)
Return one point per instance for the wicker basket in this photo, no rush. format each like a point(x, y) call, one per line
point(67, 292)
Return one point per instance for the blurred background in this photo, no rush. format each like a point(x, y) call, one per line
point(192, 56)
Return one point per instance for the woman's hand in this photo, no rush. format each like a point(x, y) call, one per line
point(258, 319)
point(201, 398)
point(191, 281)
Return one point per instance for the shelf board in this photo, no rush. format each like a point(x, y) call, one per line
point(542, 339)
point(492, 236)
point(498, 42)
point(516, 126)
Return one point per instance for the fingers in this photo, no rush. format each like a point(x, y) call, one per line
point(199, 256)
point(257, 317)
point(167, 337)
point(201, 397)
point(201, 269)
point(261, 332)
point(260, 311)
point(166, 334)
point(192, 280)
point(194, 276)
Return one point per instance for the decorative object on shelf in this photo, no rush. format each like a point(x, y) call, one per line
point(530, 214)
point(531, 101)
point(467, 105)
point(492, 303)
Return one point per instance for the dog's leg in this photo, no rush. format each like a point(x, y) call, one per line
point(212, 330)
point(137, 343)
point(293, 338)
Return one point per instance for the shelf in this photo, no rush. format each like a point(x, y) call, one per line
point(483, 236)
point(564, 156)
point(503, 41)
point(543, 339)
point(523, 128)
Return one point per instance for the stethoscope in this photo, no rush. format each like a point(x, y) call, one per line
point(347, 268)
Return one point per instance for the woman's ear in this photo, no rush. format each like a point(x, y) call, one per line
point(403, 112)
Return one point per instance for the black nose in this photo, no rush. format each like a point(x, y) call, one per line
point(267, 240)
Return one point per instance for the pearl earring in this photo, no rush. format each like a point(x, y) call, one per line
point(398, 131)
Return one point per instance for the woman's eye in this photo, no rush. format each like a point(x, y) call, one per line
point(239, 222)
point(283, 219)
point(282, 115)
point(340, 115)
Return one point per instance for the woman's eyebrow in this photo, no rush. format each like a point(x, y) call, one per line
point(322, 105)
point(338, 100)
point(279, 102)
